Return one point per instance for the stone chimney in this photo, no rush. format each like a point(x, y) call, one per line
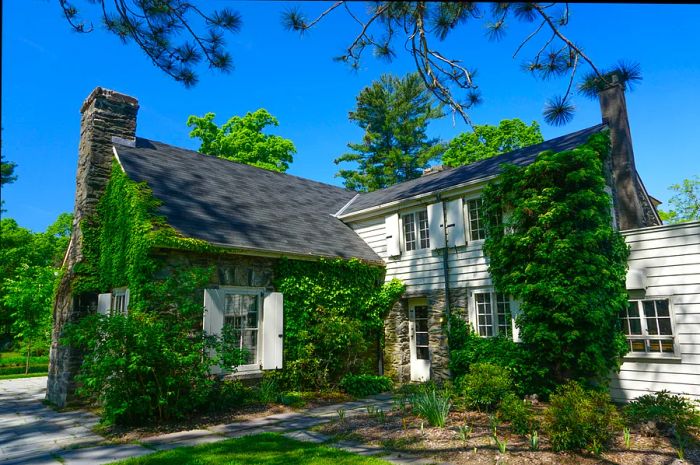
point(633, 206)
point(105, 114)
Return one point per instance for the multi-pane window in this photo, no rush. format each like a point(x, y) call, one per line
point(493, 314)
point(241, 315)
point(119, 299)
point(475, 215)
point(421, 331)
point(647, 325)
point(416, 231)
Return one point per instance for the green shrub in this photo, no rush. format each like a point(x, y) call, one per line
point(431, 405)
point(468, 348)
point(485, 385)
point(292, 399)
point(668, 410)
point(229, 393)
point(579, 419)
point(365, 385)
point(519, 413)
point(268, 391)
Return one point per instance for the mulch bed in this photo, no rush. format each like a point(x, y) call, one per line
point(401, 431)
point(125, 434)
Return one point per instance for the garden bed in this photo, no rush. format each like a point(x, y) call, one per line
point(244, 412)
point(399, 430)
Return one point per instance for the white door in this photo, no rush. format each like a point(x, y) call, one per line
point(418, 330)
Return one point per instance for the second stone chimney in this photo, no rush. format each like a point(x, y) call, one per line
point(105, 114)
point(633, 207)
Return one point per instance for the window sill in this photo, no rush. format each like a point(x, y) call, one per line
point(652, 358)
point(242, 375)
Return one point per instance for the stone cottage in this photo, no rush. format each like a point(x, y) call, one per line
point(427, 232)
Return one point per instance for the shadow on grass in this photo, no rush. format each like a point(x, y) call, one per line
point(260, 449)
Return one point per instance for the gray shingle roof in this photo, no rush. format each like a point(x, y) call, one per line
point(240, 206)
point(463, 174)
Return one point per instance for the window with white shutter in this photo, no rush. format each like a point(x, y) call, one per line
point(255, 320)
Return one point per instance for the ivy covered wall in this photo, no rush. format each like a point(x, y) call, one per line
point(559, 254)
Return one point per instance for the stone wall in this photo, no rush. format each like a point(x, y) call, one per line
point(105, 114)
point(397, 355)
point(229, 270)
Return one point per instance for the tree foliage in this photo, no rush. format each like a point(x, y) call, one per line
point(29, 265)
point(685, 204)
point(394, 113)
point(241, 139)
point(7, 172)
point(419, 27)
point(557, 253)
point(176, 35)
point(486, 141)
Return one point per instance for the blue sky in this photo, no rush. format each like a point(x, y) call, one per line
point(48, 70)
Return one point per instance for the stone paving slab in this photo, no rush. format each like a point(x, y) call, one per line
point(31, 430)
point(308, 436)
point(102, 454)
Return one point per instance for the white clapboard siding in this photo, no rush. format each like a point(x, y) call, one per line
point(423, 270)
point(670, 256)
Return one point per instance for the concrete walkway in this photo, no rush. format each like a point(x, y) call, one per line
point(33, 434)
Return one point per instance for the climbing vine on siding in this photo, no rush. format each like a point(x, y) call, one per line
point(558, 253)
point(334, 313)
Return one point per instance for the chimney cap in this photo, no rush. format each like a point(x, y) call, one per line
point(108, 94)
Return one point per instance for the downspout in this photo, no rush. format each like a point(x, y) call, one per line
point(445, 265)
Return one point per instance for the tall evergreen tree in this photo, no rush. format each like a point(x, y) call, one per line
point(394, 113)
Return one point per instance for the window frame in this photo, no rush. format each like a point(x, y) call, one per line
point(419, 239)
point(468, 219)
point(645, 336)
point(259, 292)
point(120, 298)
point(513, 307)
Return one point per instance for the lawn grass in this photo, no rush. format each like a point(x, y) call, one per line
point(259, 449)
point(22, 375)
point(12, 365)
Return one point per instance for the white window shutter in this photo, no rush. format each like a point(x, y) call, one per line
point(391, 223)
point(272, 331)
point(435, 220)
point(455, 216)
point(213, 317)
point(213, 312)
point(515, 311)
point(104, 303)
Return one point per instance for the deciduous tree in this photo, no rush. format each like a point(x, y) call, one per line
point(685, 204)
point(241, 139)
point(394, 113)
point(486, 141)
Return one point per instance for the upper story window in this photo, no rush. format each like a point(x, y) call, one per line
point(416, 231)
point(475, 219)
point(648, 325)
point(493, 314)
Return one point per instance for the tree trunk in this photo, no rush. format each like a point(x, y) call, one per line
point(29, 351)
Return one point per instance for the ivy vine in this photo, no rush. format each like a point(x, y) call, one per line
point(559, 254)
